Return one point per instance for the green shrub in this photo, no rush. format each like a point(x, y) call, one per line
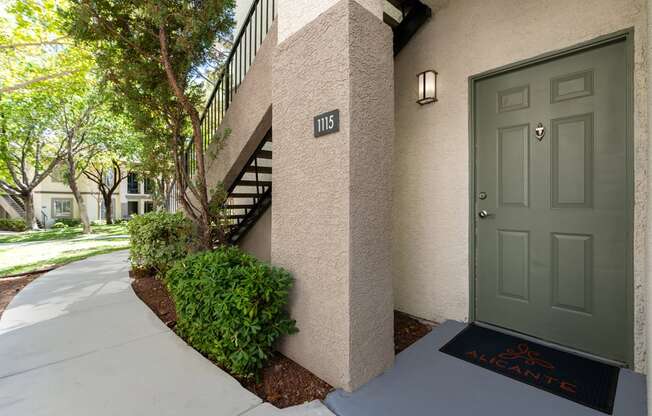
point(13, 224)
point(231, 307)
point(158, 239)
point(59, 225)
point(70, 222)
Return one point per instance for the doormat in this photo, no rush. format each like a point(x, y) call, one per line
point(582, 380)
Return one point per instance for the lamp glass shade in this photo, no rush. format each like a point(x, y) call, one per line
point(427, 87)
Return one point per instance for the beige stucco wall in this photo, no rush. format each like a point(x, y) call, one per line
point(332, 194)
point(258, 240)
point(431, 164)
point(247, 120)
point(295, 14)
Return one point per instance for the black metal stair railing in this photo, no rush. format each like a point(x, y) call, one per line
point(251, 193)
point(243, 52)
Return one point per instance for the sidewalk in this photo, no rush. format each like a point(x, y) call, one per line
point(77, 341)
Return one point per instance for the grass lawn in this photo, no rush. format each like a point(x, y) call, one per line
point(36, 250)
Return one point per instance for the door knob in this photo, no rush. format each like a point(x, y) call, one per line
point(483, 214)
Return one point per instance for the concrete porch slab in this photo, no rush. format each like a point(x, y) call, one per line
point(425, 381)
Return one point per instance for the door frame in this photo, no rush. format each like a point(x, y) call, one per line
point(627, 36)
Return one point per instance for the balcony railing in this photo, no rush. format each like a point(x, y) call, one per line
point(245, 47)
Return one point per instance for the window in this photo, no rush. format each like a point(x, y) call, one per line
point(108, 177)
point(132, 183)
point(62, 208)
point(149, 186)
point(148, 207)
point(132, 208)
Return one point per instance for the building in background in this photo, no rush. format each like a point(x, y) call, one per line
point(53, 200)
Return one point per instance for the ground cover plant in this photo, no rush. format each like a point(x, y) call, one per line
point(231, 307)
point(12, 224)
point(159, 239)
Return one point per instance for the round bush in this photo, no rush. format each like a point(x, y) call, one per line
point(158, 239)
point(59, 225)
point(13, 224)
point(231, 307)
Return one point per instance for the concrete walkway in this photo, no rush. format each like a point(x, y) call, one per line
point(77, 341)
point(425, 381)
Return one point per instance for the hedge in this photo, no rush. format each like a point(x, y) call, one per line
point(231, 307)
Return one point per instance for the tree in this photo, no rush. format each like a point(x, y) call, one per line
point(107, 177)
point(156, 45)
point(38, 74)
point(118, 153)
point(29, 150)
point(33, 50)
point(79, 121)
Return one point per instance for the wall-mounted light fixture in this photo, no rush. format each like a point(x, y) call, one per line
point(427, 87)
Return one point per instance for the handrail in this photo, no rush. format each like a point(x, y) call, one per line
point(245, 47)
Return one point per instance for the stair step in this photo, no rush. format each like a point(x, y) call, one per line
point(264, 154)
point(237, 216)
point(261, 169)
point(239, 206)
point(243, 195)
point(246, 182)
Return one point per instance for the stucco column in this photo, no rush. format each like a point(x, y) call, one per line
point(332, 194)
point(648, 262)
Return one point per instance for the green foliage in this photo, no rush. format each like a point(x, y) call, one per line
point(59, 226)
point(13, 224)
point(231, 307)
point(153, 54)
point(69, 222)
point(158, 239)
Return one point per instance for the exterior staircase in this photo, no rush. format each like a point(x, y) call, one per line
point(251, 193)
point(15, 207)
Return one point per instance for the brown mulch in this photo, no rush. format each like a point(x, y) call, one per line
point(10, 286)
point(154, 294)
point(283, 382)
point(407, 331)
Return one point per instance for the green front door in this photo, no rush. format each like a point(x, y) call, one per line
point(552, 202)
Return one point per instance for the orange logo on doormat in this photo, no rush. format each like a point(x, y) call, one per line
point(529, 359)
point(528, 356)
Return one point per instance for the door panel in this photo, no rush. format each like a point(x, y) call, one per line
point(572, 161)
point(552, 255)
point(513, 165)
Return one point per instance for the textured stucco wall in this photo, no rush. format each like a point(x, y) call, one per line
point(258, 240)
point(649, 189)
point(295, 14)
point(332, 194)
point(431, 164)
point(248, 118)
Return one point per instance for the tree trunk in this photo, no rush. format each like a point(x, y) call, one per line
point(74, 187)
point(30, 218)
point(108, 209)
point(202, 218)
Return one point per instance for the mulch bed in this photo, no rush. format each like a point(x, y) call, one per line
point(155, 295)
point(10, 286)
point(283, 382)
point(408, 330)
